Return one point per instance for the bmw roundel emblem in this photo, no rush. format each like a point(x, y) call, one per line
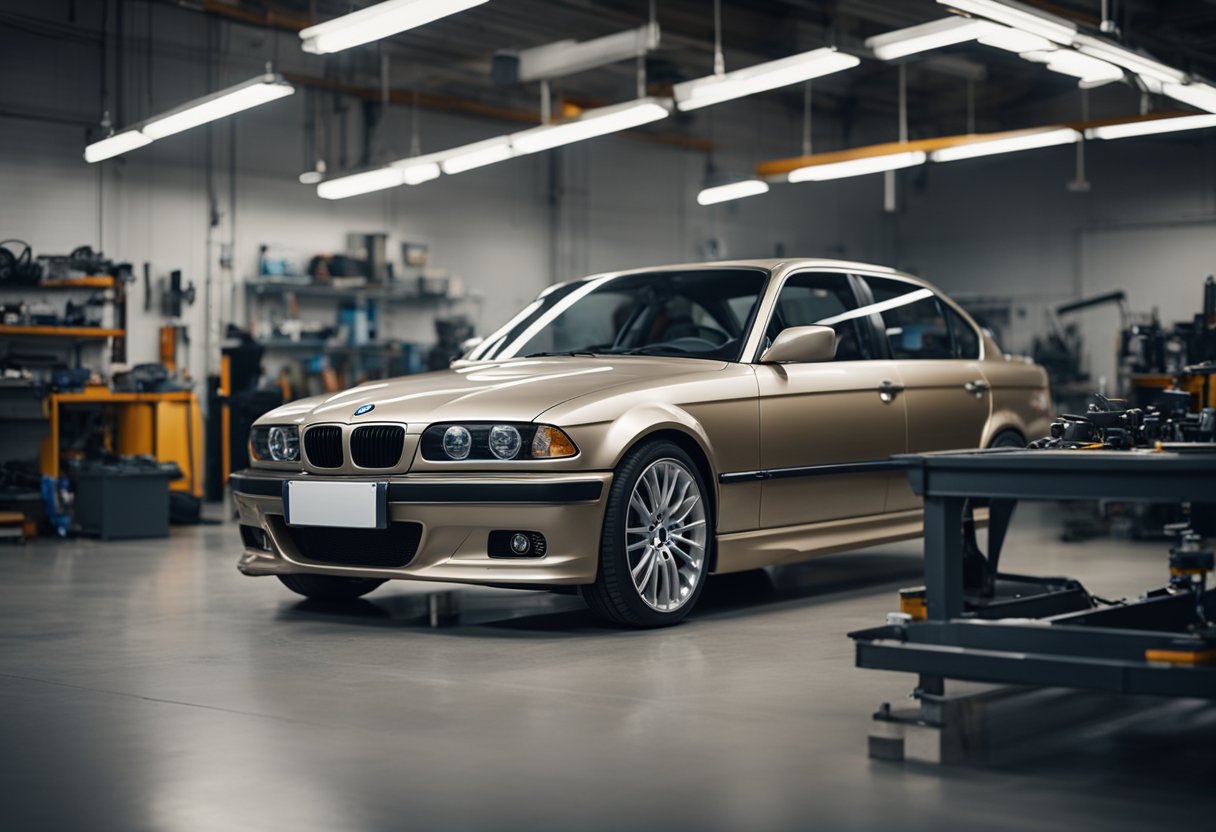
point(367, 408)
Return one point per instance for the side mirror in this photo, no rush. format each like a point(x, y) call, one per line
point(802, 345)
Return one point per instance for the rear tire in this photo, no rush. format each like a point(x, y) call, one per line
point(1008, 439)
point(657, 539)
point(329, 587)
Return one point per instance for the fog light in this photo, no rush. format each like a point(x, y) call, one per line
point(509, 543)
point(254, 537)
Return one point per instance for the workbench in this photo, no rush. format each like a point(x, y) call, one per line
point(1141, 647)
point(165, 425)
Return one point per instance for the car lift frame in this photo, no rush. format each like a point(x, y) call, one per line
point(1139, 647)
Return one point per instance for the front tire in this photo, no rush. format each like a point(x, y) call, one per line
point(330, 587)
point(657, 539)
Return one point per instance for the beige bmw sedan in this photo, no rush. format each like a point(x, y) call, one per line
point(628, 434)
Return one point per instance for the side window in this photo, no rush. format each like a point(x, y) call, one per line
point(966, 339)
point(915, 320)
point(823, 300)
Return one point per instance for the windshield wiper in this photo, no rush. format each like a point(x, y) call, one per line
point(561, 354)
point(656, 350)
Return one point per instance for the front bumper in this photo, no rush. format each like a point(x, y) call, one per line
point(457, 514)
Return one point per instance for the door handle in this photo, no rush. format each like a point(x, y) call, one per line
point(978, 388)
point(888, 390)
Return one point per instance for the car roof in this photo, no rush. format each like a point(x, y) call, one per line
point(772, 264)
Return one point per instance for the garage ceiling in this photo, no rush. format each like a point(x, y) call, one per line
point(451, 57)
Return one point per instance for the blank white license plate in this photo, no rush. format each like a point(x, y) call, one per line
point(352, 505)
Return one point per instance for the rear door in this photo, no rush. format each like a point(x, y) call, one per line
point(826, 429)
point(937, 353)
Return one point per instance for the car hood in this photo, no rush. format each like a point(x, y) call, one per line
point(518, 390)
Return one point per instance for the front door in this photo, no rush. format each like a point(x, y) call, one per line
point(947, 398)
point(826, 429)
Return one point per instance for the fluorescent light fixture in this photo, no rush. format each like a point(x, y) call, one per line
point(413, 171)
point(1091, 71)
point(592, 123)
point(419, 169)
point(475, 155)
point(857, 167)
point(1196, 94)
point(732, 190)
point(714, 89)
point(1008, 144)
point(932, 35)
point(382, 20)
point(234, 99)
point(115, 145)
point(1012, 40)
point(1151, 126)
point(1020, 17)
point(1129, 60)
point(361, 183)
point(566, 57)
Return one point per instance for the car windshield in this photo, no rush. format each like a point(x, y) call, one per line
point(693, 314)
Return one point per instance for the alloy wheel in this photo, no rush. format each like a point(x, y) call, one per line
point(665, 535)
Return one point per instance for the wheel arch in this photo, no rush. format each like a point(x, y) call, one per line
point(1000, 430)
point(691, 445)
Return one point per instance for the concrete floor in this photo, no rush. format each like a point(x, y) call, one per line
point(148, 685)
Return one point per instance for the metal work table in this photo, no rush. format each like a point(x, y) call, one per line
point(1142, 647)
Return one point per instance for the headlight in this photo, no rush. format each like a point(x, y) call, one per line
point(275, 443)
point(505, 441)
point(284, 443)
point(501, 442)
point(457, 442)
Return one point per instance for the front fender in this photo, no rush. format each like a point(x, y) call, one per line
point(604, 444)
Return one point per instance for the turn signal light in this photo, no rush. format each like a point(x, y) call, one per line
point(551, 442)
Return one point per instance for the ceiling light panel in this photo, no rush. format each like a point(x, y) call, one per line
point(1129, 60)
point(1090, 71)
point(592, 123)
point(115, 145)
point(1198, 95)
point(382, 20)
point(732, 190)
point(1021, 17)
point(1011, 40)
point(476, 155)
point(933, 35)
point(1151, 126)
point(361, 183)
point(252, 93)
point(1008, 144)
point(714, 89)
point(857, 167)
point(567, 57)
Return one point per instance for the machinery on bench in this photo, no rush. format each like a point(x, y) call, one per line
point(973, 622)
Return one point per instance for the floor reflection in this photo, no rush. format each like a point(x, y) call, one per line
point(739, 593)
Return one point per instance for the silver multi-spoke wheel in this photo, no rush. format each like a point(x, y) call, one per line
point(665, 535)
